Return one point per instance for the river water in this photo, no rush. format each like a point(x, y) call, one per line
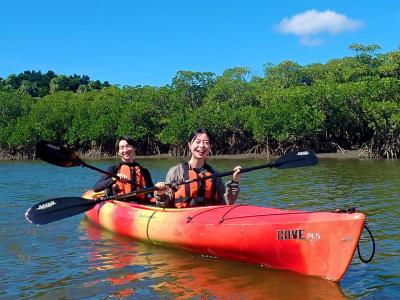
point(72, 259)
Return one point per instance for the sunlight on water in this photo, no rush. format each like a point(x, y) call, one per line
point(73, 259)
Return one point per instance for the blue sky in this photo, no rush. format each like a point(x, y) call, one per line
point(148, 42)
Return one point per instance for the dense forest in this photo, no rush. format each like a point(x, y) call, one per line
point(350, 103)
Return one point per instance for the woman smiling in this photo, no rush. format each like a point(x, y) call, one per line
point(201, 192)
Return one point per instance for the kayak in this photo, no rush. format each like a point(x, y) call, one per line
point(318, 244)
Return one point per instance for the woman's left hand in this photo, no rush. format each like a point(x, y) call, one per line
point(236, 173)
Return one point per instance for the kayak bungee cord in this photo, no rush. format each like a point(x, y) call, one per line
point(232, 208)
point(223, 219)
point(148, 225)
point(373, 248)
point(348, 211)
point(189, 219)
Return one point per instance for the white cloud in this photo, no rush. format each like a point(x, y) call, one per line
point(308, 25)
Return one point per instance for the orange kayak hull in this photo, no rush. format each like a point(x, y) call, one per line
point(318, 244)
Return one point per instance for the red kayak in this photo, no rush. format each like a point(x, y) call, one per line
point(312, 243)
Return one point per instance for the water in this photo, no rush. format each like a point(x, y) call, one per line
point(72, 259)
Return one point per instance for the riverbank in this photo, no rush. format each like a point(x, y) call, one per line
point(353, 154)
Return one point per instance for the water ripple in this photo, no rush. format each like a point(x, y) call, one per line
point(73, 259)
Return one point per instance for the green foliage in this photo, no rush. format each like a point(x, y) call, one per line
point(365, 50)
point(191, 87)
point(351, 102)
point(37, 84)
point(287, 115)
point(95, 118)
point(14, 107)
point(140, 118)
point(286, 74)
point(390, 65)
point(49, 119)
point(384, 121)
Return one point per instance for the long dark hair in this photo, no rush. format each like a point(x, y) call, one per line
point(199, 131)
point(128, 139)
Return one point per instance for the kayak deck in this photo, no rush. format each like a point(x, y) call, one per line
point(312, 243)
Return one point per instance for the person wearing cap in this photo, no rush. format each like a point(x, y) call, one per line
point(129, 175)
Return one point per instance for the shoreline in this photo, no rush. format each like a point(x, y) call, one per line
point(348, 154)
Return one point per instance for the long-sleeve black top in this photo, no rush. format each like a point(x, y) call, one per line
point(105, 181)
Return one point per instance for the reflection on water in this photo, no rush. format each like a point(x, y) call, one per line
point(180, 275)
point(72, 259)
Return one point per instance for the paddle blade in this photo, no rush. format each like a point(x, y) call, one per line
point(57, 209)
point(57, 155)
point(295, 159)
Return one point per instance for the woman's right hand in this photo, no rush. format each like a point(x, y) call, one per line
point(161, 188)
point(122, 177)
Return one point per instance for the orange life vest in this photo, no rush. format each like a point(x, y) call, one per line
point(197, 193)
point(137, 178)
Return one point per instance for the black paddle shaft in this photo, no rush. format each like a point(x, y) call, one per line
point(293, 159)
point(60, 208)
point(64, 157)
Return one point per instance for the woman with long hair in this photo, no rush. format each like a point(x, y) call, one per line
point(200, 192)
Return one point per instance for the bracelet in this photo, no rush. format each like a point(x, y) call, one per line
point(232, 184)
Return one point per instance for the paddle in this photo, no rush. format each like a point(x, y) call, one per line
point(64, 157)
point(60, 208)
